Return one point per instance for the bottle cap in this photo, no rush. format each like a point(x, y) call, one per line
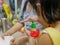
point(33, 25)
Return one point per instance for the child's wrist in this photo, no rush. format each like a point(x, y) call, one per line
point(22, 23)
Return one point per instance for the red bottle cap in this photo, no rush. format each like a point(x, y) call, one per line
point(35, 34)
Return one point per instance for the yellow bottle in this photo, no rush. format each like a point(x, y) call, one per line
point(6, 9)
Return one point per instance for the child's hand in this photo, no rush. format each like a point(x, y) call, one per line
point(32, 41)
point(3, 35)
point(12, 42)
point(27, 32)
point(16, 41)
point(30, 19)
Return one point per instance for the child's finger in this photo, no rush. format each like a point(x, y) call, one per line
point(27, 32)
point(12, 40)
point(24, 20)
point(11, 43)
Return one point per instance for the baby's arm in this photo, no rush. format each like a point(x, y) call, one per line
point(17, 26)
point(12, 30)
